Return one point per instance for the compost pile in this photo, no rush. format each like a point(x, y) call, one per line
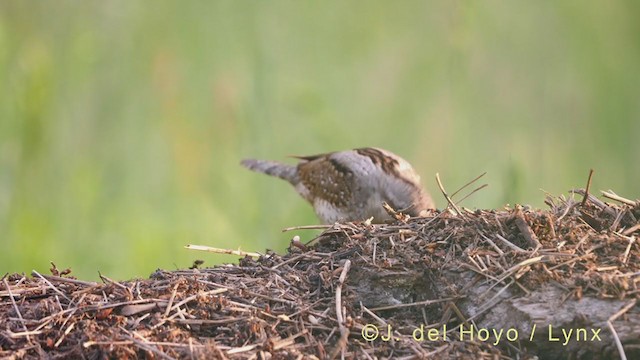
point(457, 283)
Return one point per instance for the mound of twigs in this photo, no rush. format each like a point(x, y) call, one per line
point(510, 283)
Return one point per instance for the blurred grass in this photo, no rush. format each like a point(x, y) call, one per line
point(122, 123)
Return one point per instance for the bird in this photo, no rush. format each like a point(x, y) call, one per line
point(352, 185)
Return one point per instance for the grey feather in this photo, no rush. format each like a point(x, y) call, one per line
point(273, 168)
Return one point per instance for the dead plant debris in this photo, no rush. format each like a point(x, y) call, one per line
point(573, 266)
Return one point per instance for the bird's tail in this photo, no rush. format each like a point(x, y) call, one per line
point(273, 168)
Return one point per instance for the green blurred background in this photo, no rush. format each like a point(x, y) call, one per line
point(122, 122)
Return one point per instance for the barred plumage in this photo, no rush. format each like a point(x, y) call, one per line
point(351, 185)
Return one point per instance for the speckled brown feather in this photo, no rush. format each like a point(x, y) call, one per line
point(327, 179)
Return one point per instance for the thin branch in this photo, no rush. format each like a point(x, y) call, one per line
point(222, 251)
point(586, 191)
point(418, 303)
point(471, 193)
point(308, 227)
point(50, 285)
point(444, 193)
point(15, 307)
point(613, 196)
point(469, 183)
point(616, 338)
point(509, 243)
point(344, 332)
